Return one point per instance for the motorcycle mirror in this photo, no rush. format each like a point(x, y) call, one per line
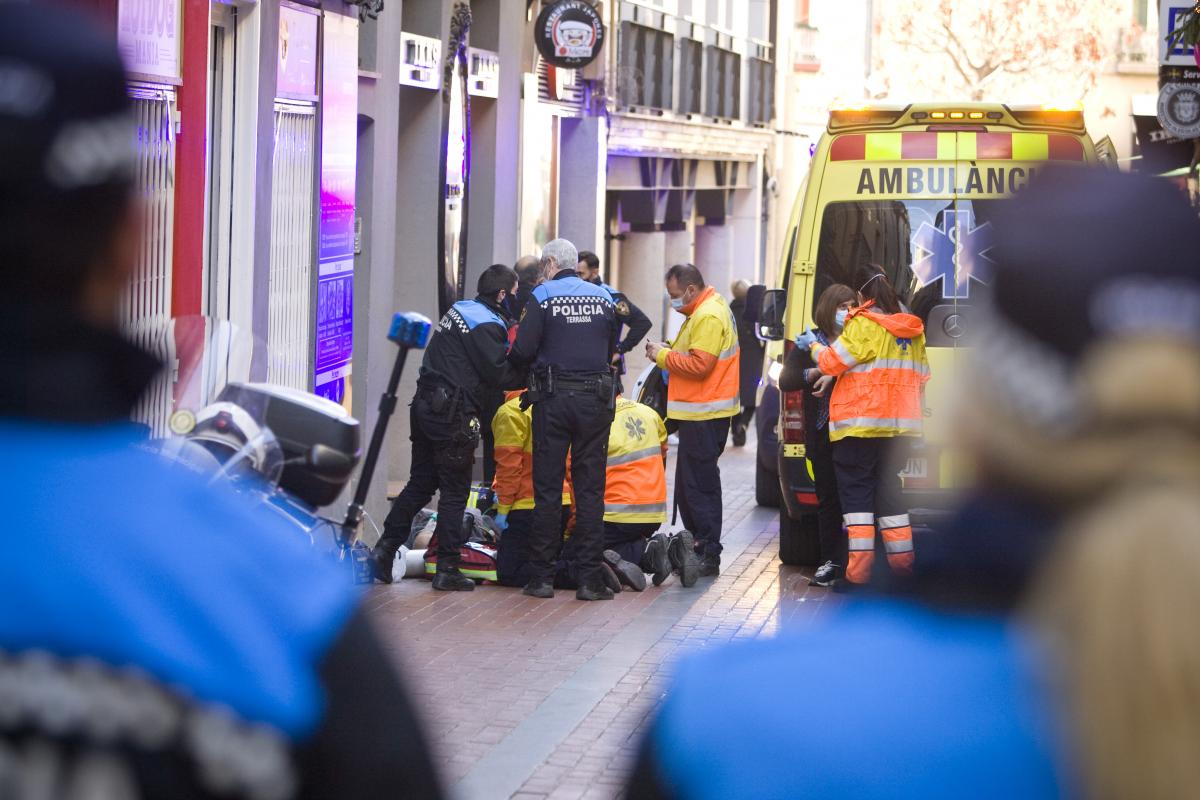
point(326, 459)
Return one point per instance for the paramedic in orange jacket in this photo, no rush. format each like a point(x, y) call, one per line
point(513, 486)
point(702, 365)
point(881, 367)
point(635, 501)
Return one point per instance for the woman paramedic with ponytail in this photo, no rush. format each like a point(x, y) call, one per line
point(880, 363)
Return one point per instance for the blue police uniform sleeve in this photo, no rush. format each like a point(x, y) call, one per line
point(529, 334)
point(488, 353)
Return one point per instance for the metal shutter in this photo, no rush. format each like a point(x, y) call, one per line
point(289, 329)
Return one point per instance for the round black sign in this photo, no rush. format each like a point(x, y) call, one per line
point(569, 33)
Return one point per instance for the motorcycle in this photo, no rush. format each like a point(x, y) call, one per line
point(290, 450)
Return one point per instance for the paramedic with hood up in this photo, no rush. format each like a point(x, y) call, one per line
point(567, 335)
point(703, 365)
point(465, 360)
point(159, 636)
point(880, 363)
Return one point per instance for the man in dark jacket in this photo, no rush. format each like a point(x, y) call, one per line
point(159, 637)
point(465, 361)
point(751, 363)
point(628, 315)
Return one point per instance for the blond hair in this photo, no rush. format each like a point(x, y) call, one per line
point(1111, 604)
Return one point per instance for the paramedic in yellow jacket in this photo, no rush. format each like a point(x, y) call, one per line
point(876, 404)
point(513, 487)
point(702, 367)
point(635, 502)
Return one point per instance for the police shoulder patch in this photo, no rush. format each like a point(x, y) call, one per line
point(524, 311)
point(623, 308)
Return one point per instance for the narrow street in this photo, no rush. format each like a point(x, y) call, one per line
point(549, 699)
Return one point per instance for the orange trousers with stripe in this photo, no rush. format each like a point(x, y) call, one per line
point(869, 490)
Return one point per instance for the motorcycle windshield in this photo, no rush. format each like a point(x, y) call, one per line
point(184, 407)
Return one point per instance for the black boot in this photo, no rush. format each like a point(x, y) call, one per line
point(539, 587)
point(609, 578)
point(681, 549)
point(593, 591)
point(382, 558)
point(655, 560)
point(452, 581)
point(710, 566)
point(628, 573)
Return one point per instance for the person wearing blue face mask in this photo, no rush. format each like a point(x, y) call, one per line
point(800, 374)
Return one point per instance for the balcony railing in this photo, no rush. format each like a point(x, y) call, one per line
point(806, 42)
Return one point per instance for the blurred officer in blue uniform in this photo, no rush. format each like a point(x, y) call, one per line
point(159, 637)
point(567, 335)
point(627, 313)
point(464, 362)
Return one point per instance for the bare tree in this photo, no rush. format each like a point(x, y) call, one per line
point(1002, 49)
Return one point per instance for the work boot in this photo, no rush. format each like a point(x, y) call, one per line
point(710, 566)
point(655, 560)
point(681, 550)
point(452, 581)
point(381, 563)
point(628, 573)
point(826, 574)
point(593, 591)
point(539, 587)
point(610, 578)
point(739, 435)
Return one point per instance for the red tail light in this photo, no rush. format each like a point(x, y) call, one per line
point(792, 418)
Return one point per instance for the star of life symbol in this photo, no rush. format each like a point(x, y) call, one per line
point(634, 427)
point(959, 242)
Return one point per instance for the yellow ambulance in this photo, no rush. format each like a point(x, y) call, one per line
point(913, 189)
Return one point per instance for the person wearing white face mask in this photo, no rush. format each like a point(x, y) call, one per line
point(800, 374)
point(703, 365)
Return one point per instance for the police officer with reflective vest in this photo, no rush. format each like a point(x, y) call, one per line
point(465, 359)
point(703, 364)
point(627, 313)
point(568, 335)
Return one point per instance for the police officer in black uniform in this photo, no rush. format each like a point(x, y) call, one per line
point(568, 334)
point(464, 361)
point(628, 315)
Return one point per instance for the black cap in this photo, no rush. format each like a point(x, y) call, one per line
point(65, 116)
point(1086, 254)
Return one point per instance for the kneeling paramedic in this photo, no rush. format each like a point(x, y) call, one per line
point(465, 359)
point(568, 334)
point(635, 502)
point(512, 427)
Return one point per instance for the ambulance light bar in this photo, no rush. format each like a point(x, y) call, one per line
point(1045, 115)
point(956, 116)
point(857, 116)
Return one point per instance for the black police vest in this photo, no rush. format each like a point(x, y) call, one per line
point(578, 325)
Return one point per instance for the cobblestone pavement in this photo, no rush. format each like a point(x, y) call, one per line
point(535, 698)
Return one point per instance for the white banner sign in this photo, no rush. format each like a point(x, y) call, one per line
point(1169, 14)
point(148, 34)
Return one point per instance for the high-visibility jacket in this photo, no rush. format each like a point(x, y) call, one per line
point(881, 364)
point(512, 429)
point(635, 483)
point(704, 362)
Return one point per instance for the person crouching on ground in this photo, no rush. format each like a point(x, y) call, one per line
point(635, 502)
point(801, 374)
point(512, 427)
point(880, 359)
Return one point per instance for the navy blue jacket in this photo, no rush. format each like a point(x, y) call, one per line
point(190, 637)
point(627, 315)
point(569, 324)
point(469, 348)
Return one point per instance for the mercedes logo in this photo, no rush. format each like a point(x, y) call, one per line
point(953, 326)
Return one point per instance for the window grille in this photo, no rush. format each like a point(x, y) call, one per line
point(290, 319)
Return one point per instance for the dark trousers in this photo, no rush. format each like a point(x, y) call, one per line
point(513, 560)
point(427, 475)
point(698, 480)
point(575, 420)
point(829, 505)
point(628, 539)
point(870, 491)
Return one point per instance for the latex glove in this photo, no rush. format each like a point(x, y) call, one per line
point(500, 521)
point(806, 340)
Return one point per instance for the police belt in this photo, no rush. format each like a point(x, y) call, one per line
point(579, 380)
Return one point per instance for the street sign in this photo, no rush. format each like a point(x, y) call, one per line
point(1170, 12)
point(1179, 109)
